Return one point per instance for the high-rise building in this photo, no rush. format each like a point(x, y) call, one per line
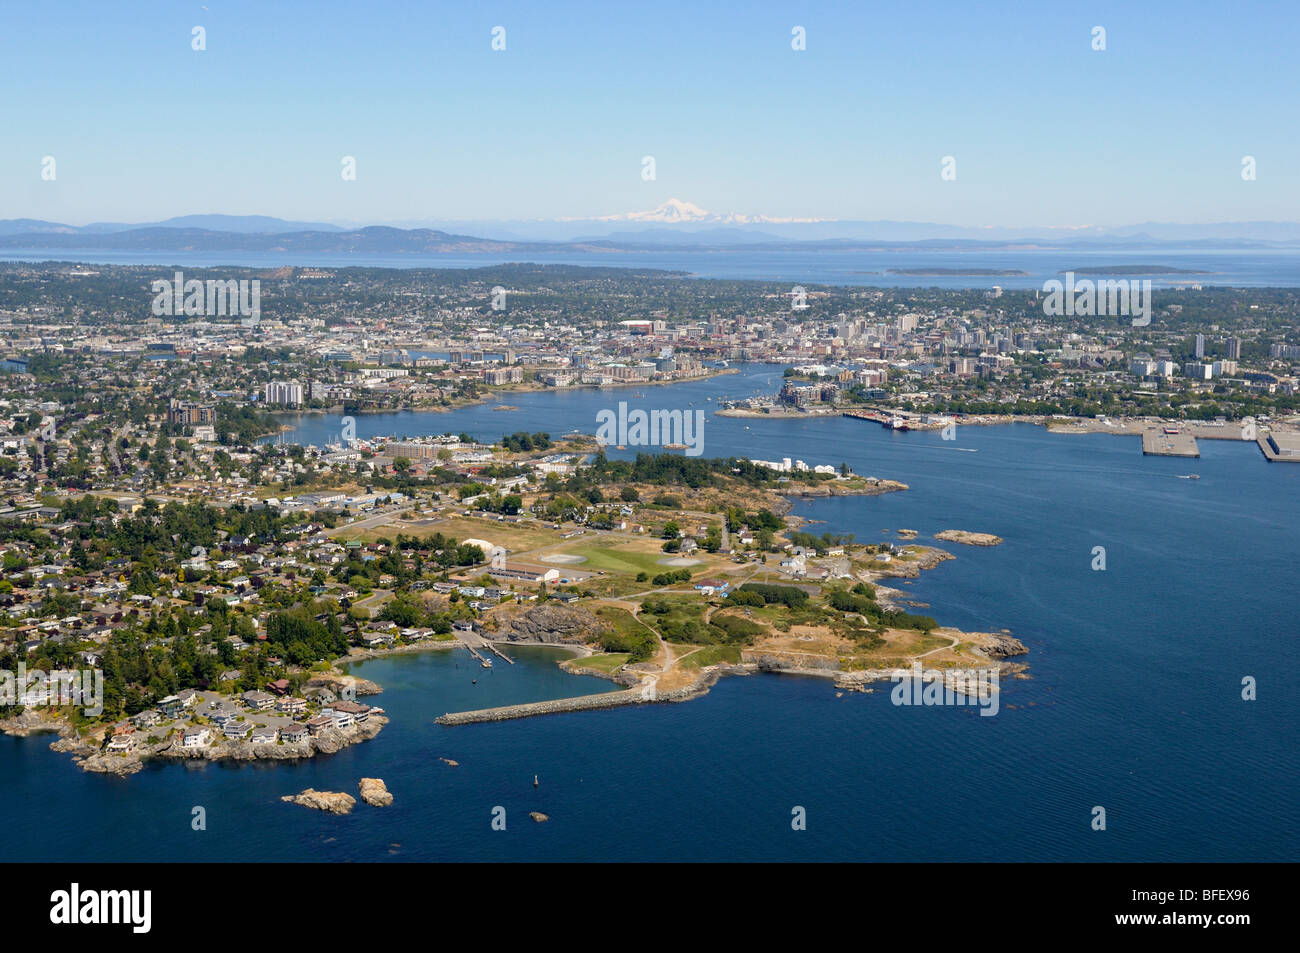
point(189, 414)
point(1200, 346)
point(1234, 349)
point(284, 393)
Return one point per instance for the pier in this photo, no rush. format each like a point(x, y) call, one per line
point(898, 420)
point(1158, 443)
point(1279, 447)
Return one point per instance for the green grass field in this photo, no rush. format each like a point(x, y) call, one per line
point(711, 655)
point(610, 662)
point(619, 557)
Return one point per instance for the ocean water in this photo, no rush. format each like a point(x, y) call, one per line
point(1243, 268)
point(1134, 705)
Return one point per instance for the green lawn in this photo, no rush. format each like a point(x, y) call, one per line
point(610, 662)
point(711, 655)
point(620, 559)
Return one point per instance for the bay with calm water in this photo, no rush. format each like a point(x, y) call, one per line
point(1277, 267)
point(1134, 705)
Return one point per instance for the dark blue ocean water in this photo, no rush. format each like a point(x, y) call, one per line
point(1242, 268)
point(1135, 702)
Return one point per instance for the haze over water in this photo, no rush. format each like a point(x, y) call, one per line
point(1134, 705)
point(1243, 268)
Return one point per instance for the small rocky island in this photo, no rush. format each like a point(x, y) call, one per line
point(968, 538)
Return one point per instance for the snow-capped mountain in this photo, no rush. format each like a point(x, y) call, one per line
point(677, 212)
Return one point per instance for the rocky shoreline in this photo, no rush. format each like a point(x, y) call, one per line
point(92, 758)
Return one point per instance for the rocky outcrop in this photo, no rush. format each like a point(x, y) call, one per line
point(789, 662)
point(997, 646)
point(375, 792)
point(335, 802)
point(121, 765)
point(539, 817)
point(927, 557)
point(967, 538)
point(338, 683)
point(552, 624)
point(869, 488)
point(33, 721)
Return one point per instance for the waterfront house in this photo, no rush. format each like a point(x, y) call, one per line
point(360, 713)
point(265, 736)
point(195, 737)
point(234, 728)
point(294, 734)
point(318, 724)
point(171, 706)
point(341, 719)
point(147, 718)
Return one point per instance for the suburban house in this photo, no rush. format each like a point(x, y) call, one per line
point(258, 701)
point(291, 706)
point(265, 736)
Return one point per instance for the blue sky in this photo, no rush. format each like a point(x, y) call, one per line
point(1045, 131)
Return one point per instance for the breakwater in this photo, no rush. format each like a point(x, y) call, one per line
point(632, 696)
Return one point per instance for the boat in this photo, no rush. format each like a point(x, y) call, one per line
point(1189, 476)
point(487, 663)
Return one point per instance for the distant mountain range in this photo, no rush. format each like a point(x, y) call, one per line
point(243, 224)
point(675, 225)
